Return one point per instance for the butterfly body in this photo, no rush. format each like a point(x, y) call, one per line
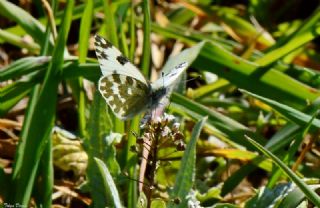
point(123, 86)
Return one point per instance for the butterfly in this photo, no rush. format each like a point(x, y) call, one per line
point(123, 86)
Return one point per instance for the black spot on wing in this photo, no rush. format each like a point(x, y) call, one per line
point(129, 80)
point(122, 59)
point(99, 41)
point(183, 64)
point(104, 55)
point(98, 50)
point(172, 74)
point(140, 86)
point(116, 78)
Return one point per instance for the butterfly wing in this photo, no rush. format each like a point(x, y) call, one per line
point(168, 79)
point(125, 95)
point(112, 61)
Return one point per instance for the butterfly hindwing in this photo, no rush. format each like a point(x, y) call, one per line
point(125, 95)
point(112, 61)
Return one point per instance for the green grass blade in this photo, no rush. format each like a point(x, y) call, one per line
point(186, 174)
point(277, 142)
point(12, 94)
point(294, 148)
point(211, 57)
point(6, 185)
point(288, 132)
point(89, 71)
point(130, 157)
point(112, 35)
point(247, 75)
point(77, 14)
point(290, 113)
point(295, 197)
point(44, 188)
point(42, 119)
point(310, 194)
point(23, 66)
point(308, 31)
point(84, 36)
point(292, 45)
point(31, 25)
point(237, 177)
point(132, 49)
point(111, 31)
point(229, 127)
point(146, 54)
point(85, 27)
point(131, 161)
point(269, 197)
point(18, 41)
point(123, 40)
point(242, 27)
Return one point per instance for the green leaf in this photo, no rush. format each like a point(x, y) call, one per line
point(99, 143)
point(108, 184)
point(186, 174)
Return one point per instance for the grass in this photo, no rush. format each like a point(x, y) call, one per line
point(247, 106)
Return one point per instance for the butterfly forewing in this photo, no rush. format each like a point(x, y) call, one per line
point(168, 79)
point(125, 95)
point(112, 61)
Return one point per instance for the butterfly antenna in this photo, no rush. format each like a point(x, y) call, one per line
point(194, 78)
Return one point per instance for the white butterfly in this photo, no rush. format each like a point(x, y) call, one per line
point(123, 86)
